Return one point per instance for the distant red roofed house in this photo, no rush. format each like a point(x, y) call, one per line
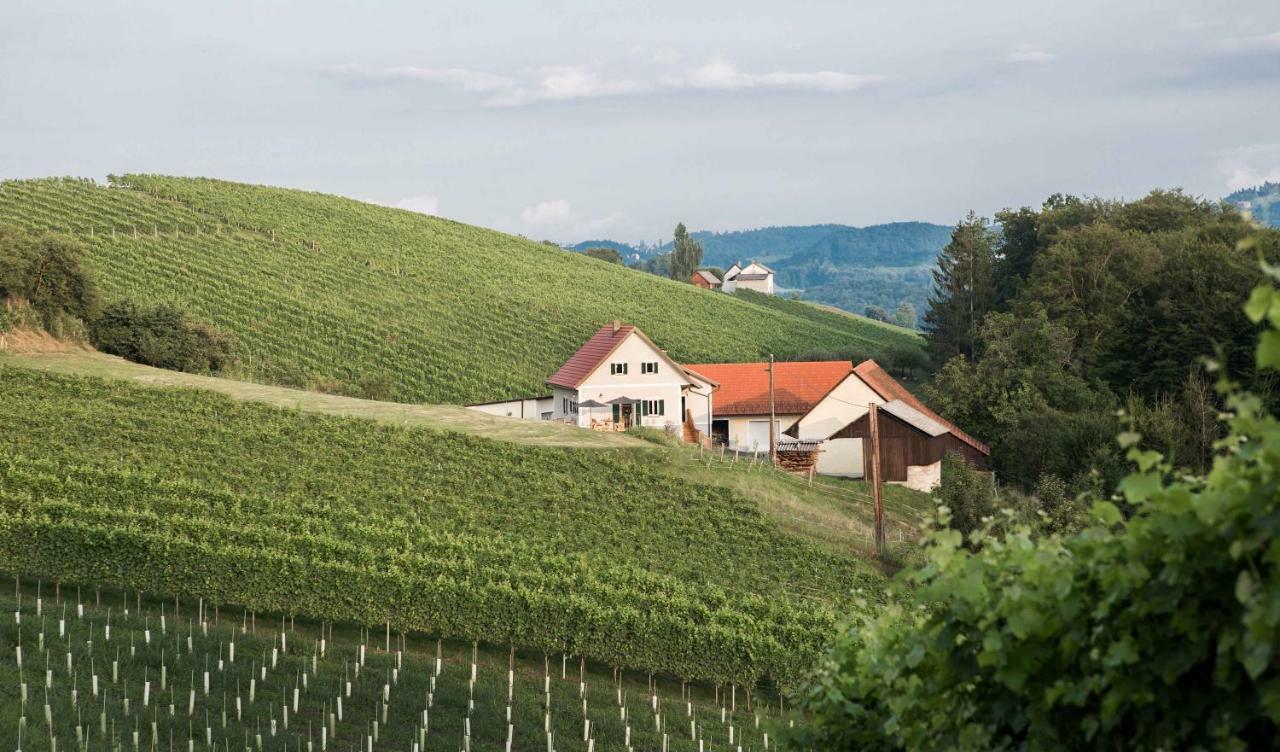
point(619, 377)
point(914, 437)
point(705, 279)
point(741, 419)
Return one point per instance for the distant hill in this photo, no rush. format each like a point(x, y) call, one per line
point(331, 293)
point(629, 253)
point(848, 267)
point(1261, 202)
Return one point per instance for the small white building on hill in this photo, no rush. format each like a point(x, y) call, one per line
point(753, 276)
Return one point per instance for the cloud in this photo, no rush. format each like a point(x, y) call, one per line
point(462, 78)
point(547, 213)
point(1264, 42)
point(562, 83)
point(1252, 165)
point(557, 216)
point(565, 82)
point(719, 74)
point(427, 203)
point(1026, 53)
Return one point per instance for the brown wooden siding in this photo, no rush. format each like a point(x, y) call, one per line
point(903, 445)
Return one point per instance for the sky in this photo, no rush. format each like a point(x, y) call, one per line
point(570, 121)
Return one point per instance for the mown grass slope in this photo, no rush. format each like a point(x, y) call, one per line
point(603, 552)
point(326, 291)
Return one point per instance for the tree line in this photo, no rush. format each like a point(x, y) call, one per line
point(1048, 323)
point(684, 258)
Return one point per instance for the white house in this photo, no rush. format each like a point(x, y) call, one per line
point(620, 379)
point(753, 276)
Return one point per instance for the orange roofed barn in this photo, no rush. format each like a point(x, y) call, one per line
point(741, 419)
point(914, 437)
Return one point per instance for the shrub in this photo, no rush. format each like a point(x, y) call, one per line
point(373, 388)
point(968, 494)
point(45, 272)
point(163, 336)
point(657, 436)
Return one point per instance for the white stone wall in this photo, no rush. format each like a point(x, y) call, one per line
point(923, 477)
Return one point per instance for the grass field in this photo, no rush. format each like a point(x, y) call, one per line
point(330, 293)
point(100, 666)
point(649, 557)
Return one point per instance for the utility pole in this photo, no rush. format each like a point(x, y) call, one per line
point(773, 419)
point(877, 490)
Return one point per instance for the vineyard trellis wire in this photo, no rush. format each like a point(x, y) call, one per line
point(119, 672)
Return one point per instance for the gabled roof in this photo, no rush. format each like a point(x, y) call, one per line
point(890, 390)
point(597, 350)
point(914, 418)
point(708, 276)
point(759, 265)
point(589, 357)
point(797, 387)
point(715, 385)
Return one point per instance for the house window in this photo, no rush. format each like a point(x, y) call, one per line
point(570, 406)
point(617, 369)
point(649, 367)
point(653, 407)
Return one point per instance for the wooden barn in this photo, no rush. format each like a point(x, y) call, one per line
point(912, 445)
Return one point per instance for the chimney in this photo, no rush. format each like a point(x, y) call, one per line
point(616, 326)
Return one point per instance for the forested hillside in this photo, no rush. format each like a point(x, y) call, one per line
point(1155, 626)
point(1262, 203)
point(332, 293)
point(1050, 322)
point(848, 267)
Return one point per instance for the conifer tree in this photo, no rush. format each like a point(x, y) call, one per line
point(964, 290)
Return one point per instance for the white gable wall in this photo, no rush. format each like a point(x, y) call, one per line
point(666, 385)
point(699, 400)
point(759, 285)
point(845, 404)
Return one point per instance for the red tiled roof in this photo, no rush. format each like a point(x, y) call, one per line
point(590, 356)
point(889, 389)
point(797, 387)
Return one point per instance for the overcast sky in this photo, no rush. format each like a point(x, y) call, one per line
point(574, 120)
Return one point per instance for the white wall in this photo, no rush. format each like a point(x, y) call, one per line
point(558, 397)
point(530, 408)
point(740, 431)
point(923, 477)
point(845, 404)
point(700, 401)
